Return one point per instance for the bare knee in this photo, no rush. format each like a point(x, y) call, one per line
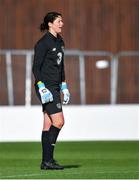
point(58, 120)
point(59, 124)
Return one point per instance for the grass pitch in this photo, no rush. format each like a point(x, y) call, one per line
point(82, 160)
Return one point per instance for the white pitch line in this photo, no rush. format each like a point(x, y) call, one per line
point(21, 175)
point(40, 174)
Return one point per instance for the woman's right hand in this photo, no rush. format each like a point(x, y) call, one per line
point(46, 95)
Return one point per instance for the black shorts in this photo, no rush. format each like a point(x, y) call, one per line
point(51, 107)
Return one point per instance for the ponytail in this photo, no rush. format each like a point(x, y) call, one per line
point(43, 27)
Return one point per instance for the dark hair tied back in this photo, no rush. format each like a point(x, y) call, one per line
point(50, 17)
point(43, 26)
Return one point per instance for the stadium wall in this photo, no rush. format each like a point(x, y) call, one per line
point(90, 25)
point(90, 122)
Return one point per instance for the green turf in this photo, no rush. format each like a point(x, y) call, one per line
point(92, 160)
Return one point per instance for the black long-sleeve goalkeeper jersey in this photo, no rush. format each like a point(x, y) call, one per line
point(48, 65)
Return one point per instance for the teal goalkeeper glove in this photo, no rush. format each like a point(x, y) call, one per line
point(66, 93)
point(46, 95)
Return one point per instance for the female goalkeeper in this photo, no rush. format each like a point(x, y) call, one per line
point(48, 70)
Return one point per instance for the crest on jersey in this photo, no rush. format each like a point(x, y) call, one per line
point(62, 47)
point(59, 106)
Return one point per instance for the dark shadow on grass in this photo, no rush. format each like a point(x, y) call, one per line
point(71, 166)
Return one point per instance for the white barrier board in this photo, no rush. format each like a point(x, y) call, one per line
point(90, 122)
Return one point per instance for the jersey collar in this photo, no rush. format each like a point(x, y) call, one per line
point(53, 37)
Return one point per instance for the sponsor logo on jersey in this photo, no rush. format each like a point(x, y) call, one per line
point(54, 49)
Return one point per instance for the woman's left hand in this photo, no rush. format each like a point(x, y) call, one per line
point(65, 93)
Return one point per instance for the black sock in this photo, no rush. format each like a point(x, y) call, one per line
point(53, 134)
point(45, 146)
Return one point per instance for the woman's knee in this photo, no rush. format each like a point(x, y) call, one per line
point(61, 123)
point(58, 123)
point(58, 120)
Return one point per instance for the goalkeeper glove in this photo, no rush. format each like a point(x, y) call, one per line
point(46, 95)
point(66, 93)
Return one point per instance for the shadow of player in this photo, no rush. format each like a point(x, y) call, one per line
point(71, 166)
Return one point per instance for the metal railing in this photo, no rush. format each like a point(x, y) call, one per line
point(8, 54)
point(80, 54)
